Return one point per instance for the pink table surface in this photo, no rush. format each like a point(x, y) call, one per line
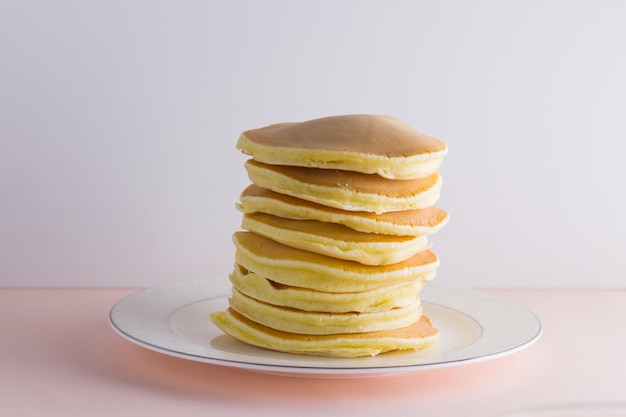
point(59, 357)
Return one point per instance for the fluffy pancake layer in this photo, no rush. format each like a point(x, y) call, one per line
point(380, 299)
point(418, 335)
point(298, 268)
point(370, 144)
point(318, 323)
point(335, 240)
point(398, 223)
point(346, 190)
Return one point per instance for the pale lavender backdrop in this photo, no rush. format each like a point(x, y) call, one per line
point(118, 122)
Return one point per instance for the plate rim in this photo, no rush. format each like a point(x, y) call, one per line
point(219, 287)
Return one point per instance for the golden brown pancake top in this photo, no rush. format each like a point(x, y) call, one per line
point(360, 133)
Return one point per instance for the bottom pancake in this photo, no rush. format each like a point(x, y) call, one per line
point(418, 335)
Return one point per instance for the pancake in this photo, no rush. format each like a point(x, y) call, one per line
point(346, 190)
point(298, 268)
point(380, 299)
point(335, 240)
point(397, 223)
point(418, 335)
point(370, 144)
point(312, 322)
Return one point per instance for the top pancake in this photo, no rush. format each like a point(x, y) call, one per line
point(363, 143)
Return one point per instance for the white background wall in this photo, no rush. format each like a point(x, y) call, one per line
point(118, 121)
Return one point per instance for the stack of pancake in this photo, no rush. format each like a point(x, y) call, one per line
point(335, 250)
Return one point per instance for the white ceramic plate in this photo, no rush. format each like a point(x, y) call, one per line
point(174, 319)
